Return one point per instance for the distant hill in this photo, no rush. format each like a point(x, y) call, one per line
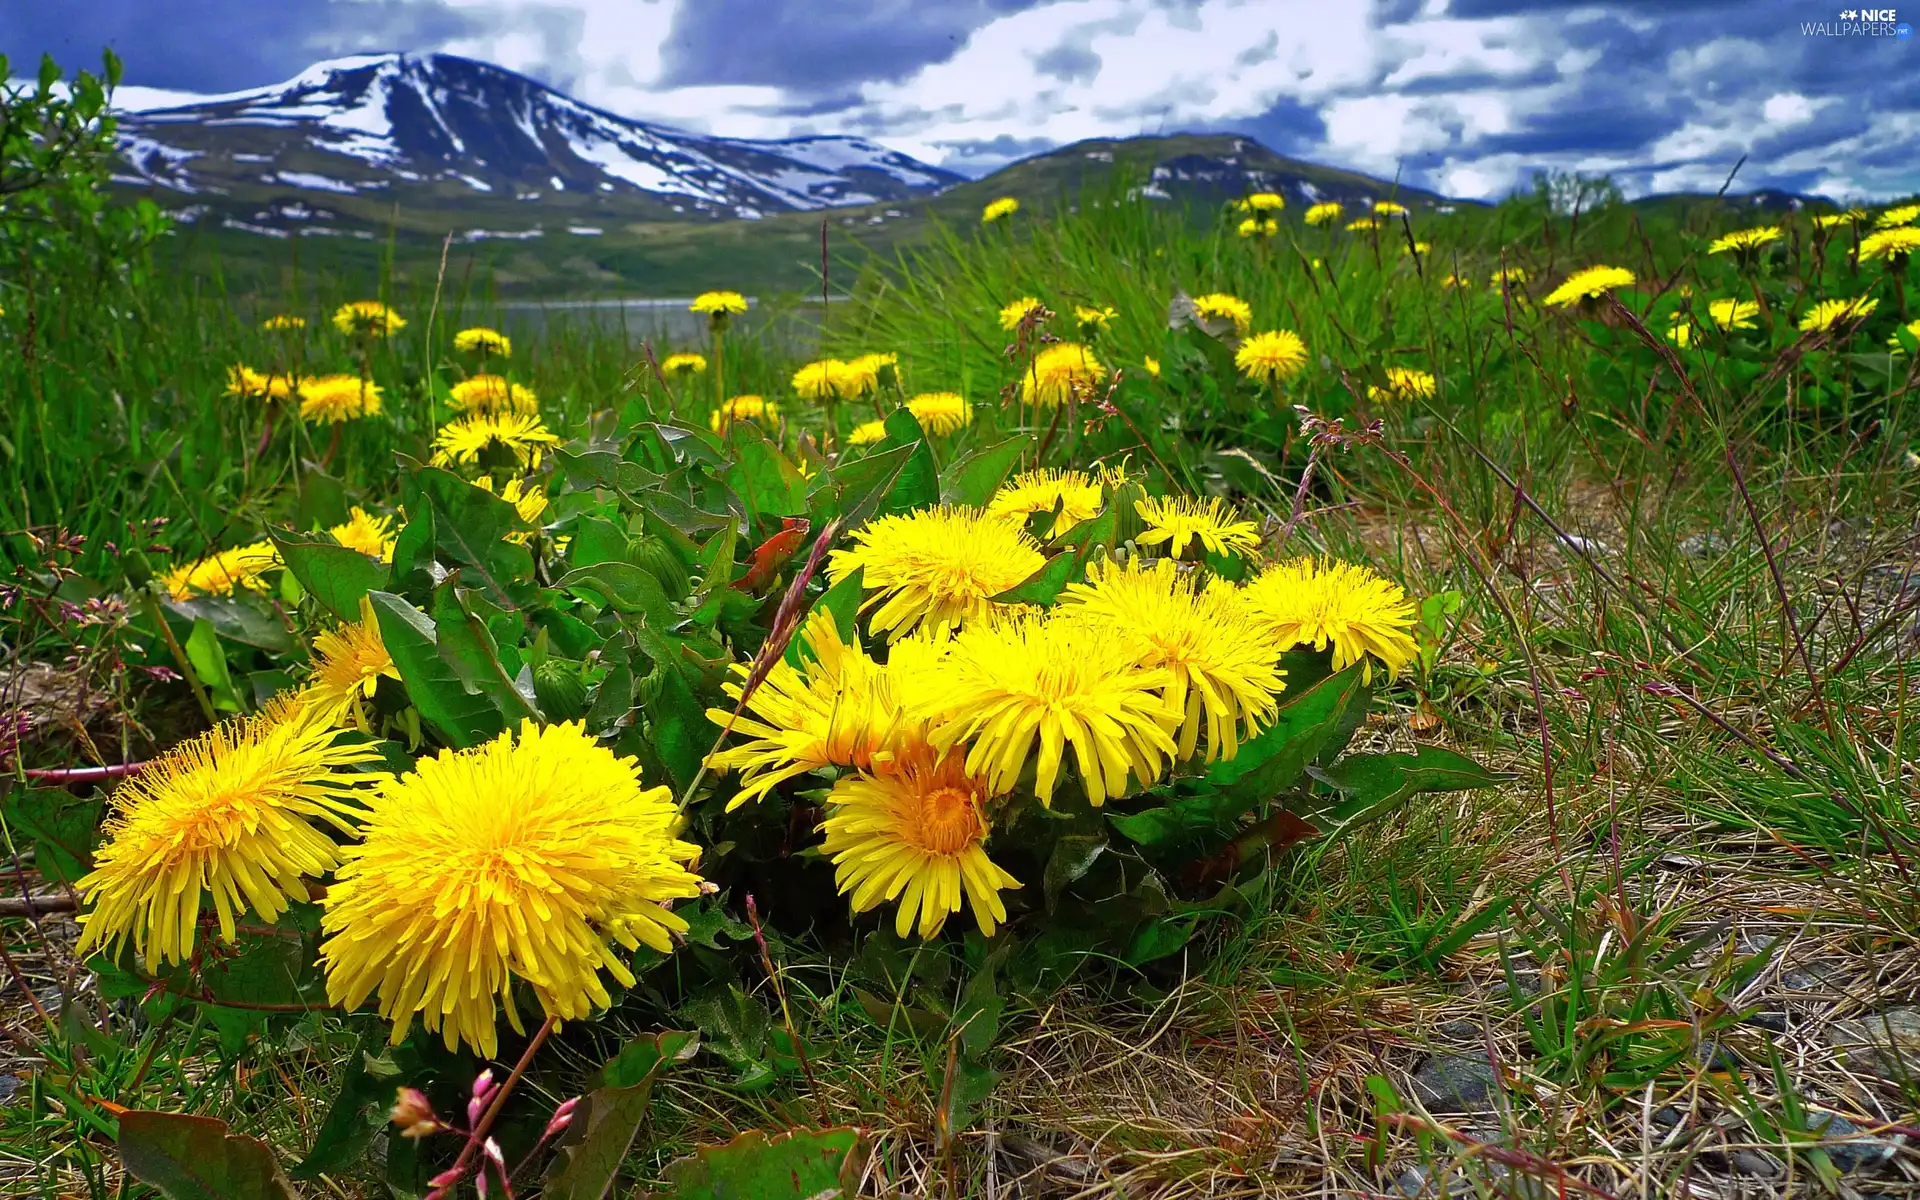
point(344, 142)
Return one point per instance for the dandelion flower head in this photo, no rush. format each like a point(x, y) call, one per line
point(492, 394)
point(1587, 283)
point(916, 834)
point(368, 317)
point(679, 365)
point(1059, 373)
point(941, 413)
point(1903, 215)
point(1075, 493)
point(1404, 383)
point(221, 572)
point(744, 408)
point(240, 812)
point(1271, 356)
point(940, 567)
point(483, 341)
point(1829, 313)
point(1744, 241)
point(522, 857)
point(1322, 603)
point(1733, 314)
point(283, 321)
point(519, 434)
point(1011, 315)
point(1176, 521)
point(369, 534)
point(718, 303)
point(1224, 665)
point(1323, 212)
point(337, 398)
point(1892, 244)
point(348, 664)
point(1218, 306)
point(995, 210)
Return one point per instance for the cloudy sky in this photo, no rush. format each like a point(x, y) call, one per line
point(1468, 97)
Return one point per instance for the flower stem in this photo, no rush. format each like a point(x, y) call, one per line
point(478, 1137)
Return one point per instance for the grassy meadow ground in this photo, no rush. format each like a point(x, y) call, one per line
point(1675, 596)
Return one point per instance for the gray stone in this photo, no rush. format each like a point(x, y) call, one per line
point(1772, 1022)
point(1886, 1044)
point(1809, 976)
point(1667, 1117)
point(1460, 1031)
point(1703, 545)
point(1454, 1082)
point(1752, 1162)
point(10, 1084)
point(1415, 1181)
point(1856, 1153)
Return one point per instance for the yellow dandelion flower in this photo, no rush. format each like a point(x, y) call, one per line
point(1152, 365)
point(529, 500)
point(238, 812)
point(916, 834)
point(492, 394)
point(937, 566)
point(1225, 667)
point(1005, 206)
point(483, 341)
point(1324, 603)
point(1254, 227)
point(1362, 224)
point(1680, 332)
point(283, 321)
point(1177, 520)
point(1851, 216)
point(1323, 212)
point(718, 303)
point(245, 381)
point(1829, 313)
point(1075, 493)
point(1013, 314)
point(1261, 202)
point(337, 398)
point(348, 663)
point(1059, 373)
point(820, 380)
point(1404, 383)
point(838, 708)
point(867, 433)
point(367, 533)
point(1507, 277)
point(1271, 356)
point(1733, 314)
point(1387, 208)
point(941, 413)
point(523, 857)
point(520, 434)
point(369, 317)
point(744, 408)
point(220, 573)
point(1093, 320)
point(1903, 215)
point(1587, 283)
point(1009, 683)
point(1218, 306)
point(1912, 328)
point(1420, 248)
point(1744, 241)
point(681, 365)
point(1894, 244)
point(861, 376)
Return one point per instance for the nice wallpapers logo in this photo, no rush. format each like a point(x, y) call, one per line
point(1860, 22)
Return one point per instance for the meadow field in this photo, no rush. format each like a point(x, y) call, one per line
point(1120, 702)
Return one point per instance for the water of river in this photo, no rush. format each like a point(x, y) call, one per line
point(788, 325)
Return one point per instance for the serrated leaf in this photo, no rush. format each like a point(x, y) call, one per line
point(460, 717)
point(1072, 858)
point(1270, 761)
point(974, 479)
point(332, 574)
point(468, 647)
point(588, 1156)
point(766, 482)
point(61, 826)
point(196, 1158)
point(1373, 785)
point(470, 528)
point(627, 589)
point(800, 1164)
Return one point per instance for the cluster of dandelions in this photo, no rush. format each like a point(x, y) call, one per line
point(537, 856)
point(956, 706)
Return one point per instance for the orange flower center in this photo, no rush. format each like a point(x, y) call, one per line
point(949, 823)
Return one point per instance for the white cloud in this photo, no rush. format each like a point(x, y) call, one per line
point(1433, 96)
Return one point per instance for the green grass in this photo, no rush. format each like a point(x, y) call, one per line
point(1681, 626)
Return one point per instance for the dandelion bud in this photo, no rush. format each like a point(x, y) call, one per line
point(492, 1151)
point(414, 1114)
point(449, 1176)
point(482, 1089)
point(562, 1116)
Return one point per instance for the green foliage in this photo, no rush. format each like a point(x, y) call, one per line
point(800, 1163)
point(589, 1155)
point(196, 1158)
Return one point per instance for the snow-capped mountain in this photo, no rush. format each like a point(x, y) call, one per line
point(440, 130)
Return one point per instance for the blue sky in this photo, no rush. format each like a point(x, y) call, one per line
point(1465, 96)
